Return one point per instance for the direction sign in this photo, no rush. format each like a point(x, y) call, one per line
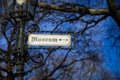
point(49, 40)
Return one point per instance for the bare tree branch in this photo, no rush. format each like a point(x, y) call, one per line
point(2, 69)
point(113, 11)
point(76, 9)
point(74, 61)
point(58, 67)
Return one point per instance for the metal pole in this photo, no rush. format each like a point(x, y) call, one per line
point(20, 62)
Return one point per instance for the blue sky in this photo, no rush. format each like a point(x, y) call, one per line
point(106, 32)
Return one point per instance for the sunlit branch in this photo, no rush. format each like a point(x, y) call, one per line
point(76, 9)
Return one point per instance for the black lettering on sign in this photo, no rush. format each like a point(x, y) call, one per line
point(43, 39)
point(34, 39)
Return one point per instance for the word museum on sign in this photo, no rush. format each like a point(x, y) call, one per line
point(49, 40)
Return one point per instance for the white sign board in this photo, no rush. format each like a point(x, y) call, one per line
point(49, 40)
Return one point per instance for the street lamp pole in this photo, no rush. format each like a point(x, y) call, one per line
point(20, 61)
point(20, 11)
